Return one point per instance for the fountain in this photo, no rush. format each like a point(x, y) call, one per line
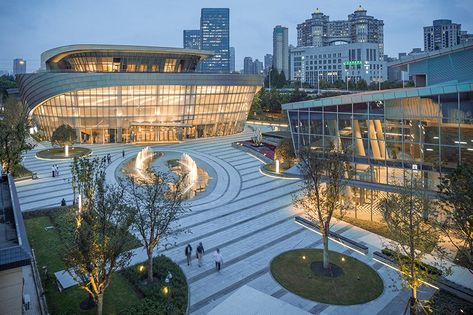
point(142, 161)
point(191, 173)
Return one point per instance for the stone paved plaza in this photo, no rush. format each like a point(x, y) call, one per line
point(247, 215)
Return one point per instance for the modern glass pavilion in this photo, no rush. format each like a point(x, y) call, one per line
point(388, 132)
point(115, 93)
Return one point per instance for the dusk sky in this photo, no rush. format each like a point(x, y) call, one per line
point(29, 27)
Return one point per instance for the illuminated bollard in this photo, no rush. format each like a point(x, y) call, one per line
point(277, 166)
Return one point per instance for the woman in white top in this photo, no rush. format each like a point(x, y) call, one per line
point(218, 260)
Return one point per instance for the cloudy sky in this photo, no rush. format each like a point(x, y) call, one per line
point(29, 27)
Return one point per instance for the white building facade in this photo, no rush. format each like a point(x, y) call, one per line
point(331, 63)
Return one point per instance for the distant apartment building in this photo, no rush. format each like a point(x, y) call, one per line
point(19, 66)
point(252, 67)
point(319, 31)
point(215, 37)
point(340, 62)
point(191, 39)
point(442, 34)
point(232, 59)
point(465, 37)
point(281, 49)
point(258, 67)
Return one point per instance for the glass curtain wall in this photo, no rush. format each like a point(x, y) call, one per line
point(148, 113)
point(386, 138)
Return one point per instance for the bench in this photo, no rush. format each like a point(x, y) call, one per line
point(361, 248)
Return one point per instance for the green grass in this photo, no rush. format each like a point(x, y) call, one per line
point(294, 273)
point(58, 153)
point(379, 228)
point(47, 245)
point(272, 168)
point(20, 171)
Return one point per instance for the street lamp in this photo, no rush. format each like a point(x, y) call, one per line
point(167, 291)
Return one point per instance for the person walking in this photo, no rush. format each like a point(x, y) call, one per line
point(188, 253)
point(57, 170)
point(123, 153)
point(218, 260)
point(53, 170)
point(200, 253)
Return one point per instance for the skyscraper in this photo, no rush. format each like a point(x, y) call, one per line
point(191, 39)
point(359, 28)
point(19, 66)
point(247, 65)
point(281, 49)
point(215, 36)
point(268, 62)
point(257, 67)
point(232, 59)
point(442, 34)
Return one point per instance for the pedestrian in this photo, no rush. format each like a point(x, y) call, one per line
point(109, 158)
point(189, 254)
point(57, 170)
point(63, 202)
point(53, 170)
point(123, 153)
point(218, 260)
point(200, 253)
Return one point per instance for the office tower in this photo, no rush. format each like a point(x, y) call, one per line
point(19, 66)
point(232, 59)
point(247, 65)
point(358, 28)
point(191, 39)
point(442, 34)
point(268, 62)
point(281, 50)
point(215, 36)
point(257, 67)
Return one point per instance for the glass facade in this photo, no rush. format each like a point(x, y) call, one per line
point(388, 137)
point(147, 113)
point(103, 61)
point(215, 37)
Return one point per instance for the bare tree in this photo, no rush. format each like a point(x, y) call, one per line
point(98, 246)
point(325, 174)
point(456, 200)
point(158, 205)
point(411, 218)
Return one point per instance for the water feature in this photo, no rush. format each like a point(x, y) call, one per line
point(190, 171)
point(142, 162)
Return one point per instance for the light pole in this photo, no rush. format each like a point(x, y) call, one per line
point(318, 82)
point(167, 291)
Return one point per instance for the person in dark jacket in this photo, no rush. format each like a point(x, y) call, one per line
point(200, 253)
point(188, 253)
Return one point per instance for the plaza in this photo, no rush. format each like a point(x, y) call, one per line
point(247, 215)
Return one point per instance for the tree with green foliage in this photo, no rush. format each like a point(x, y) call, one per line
point(256, 105)
point(285, 152)
point(298, 95)
point(411, 218)
point(275, 79)
point(361, 85)
point(63, 135)
point(324, 174)
point(6, 82)
point(98, 245)
point(456, 202)
point(13, 134)
point(158, 204)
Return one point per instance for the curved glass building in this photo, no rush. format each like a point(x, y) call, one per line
point(115, 93)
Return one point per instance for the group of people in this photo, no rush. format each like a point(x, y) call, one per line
point(55, 170)
point(200, 256)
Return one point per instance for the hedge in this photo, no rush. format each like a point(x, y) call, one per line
point(422, 266)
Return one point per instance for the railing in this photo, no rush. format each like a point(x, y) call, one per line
point(43, 306)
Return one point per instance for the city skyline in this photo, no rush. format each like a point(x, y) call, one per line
point(31, 27)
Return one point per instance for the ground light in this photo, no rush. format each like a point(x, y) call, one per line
point(66, 151)
point(277, 166)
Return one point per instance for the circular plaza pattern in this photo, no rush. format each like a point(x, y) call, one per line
point(353, 281)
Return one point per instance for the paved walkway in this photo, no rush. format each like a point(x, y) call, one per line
point(247, 215)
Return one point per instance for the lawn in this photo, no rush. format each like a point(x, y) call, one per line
point(47, 245)
point(358, 283)
point(379, 228)
point(21, 172)
point(58, 153)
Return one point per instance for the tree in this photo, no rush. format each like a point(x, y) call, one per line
point(298, 96)
point(6, 82)
point(98, 246)
point(285, 152)
point(456, 200)
point(361, 85)
point(256, 105)
point(13, 134)
point(63, 135)
point(324, 174)
point(411, 218)
point(158, 205)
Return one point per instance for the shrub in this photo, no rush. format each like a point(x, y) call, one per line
point(155, 300)
point(430, 269)
point(284, 152)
